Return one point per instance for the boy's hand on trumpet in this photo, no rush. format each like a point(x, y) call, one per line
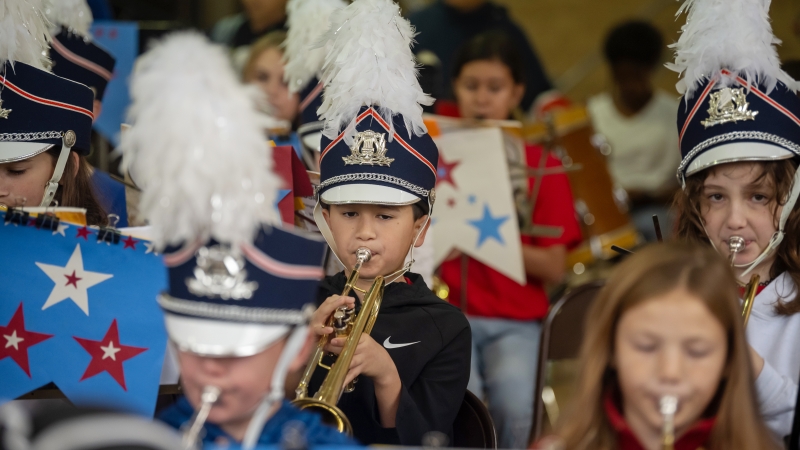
point(319, 320)
point(370, 360)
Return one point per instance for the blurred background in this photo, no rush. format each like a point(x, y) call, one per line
point(566, 34)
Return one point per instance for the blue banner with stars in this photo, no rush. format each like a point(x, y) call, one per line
point(81, 314)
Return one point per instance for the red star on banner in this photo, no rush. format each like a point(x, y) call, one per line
point(84, 233)
point(444, 172)
point(72, 279)
point(451, 202)
point(15, 340)
point(108, 354)
point(130, 243)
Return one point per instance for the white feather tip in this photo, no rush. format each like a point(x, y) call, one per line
point(196, 147)
point(24, 33)
point(307, 21)
point(727, 34)
point(369, 62)
point(73, 15)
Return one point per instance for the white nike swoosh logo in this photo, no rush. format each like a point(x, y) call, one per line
point(388, 344)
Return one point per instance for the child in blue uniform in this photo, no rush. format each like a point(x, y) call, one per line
point(240, 288)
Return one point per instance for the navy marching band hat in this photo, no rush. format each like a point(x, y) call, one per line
point(737, 121)
point(384, 165)
point(375, 146)
point(310, 129)
point(310, 101)
point(222, 304)
point(38, 110)
point(237, 281)
point(82, 60)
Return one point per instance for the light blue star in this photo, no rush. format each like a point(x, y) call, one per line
point(471, 199)
point(488, 226)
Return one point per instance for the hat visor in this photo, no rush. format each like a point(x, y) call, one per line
point(367, 193)
point(313, 141)
point(18, 151)
point(217, 338)
point(737, 152)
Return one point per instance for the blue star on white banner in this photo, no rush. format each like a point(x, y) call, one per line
point(475, 211)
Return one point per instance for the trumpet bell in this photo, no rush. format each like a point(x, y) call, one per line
point(330, 414)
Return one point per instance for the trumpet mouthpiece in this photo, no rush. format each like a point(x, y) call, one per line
point(736, 244)
point(210, 394)
point(363, 254)
point(668, 405)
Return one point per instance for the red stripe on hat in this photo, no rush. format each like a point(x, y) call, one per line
point(341, 135)
point(181, 256)
point(371, 112)
point(765, 97)
point(402, 142)
point(700, 101)
point(311, 96)
point(79, 60)
point(44, 101)
point(281, 269)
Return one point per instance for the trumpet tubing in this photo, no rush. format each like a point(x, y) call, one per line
point(345, 324)
point(750, 292)
point(209, 396)
point(668, 406)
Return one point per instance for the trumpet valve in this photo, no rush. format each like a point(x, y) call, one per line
point(340, 322)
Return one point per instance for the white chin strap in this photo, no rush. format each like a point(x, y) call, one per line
point(390, 278)
point(293, 346)
point(777, 238)
point(52, 186)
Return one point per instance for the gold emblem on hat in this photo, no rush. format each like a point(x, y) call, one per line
point(220, 274)
point(369, 149)
point(728, 105)
point(3, 112)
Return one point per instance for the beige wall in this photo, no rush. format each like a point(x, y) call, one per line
point(567, 32)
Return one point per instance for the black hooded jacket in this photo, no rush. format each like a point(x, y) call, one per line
point(430, 343)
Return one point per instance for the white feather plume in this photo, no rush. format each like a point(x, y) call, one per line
point(307, 21)
point(369, 62)
point(196, 146)
point(24, 33)
point(74, 15)
point(727, 34)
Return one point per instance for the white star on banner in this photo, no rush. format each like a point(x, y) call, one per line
point(13, 340)
point(61, 228)
point(110, 351)
point(150, 248)
point(71, 281)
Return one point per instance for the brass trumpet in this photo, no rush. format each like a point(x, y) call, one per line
point(345, 324)
point(736, 244)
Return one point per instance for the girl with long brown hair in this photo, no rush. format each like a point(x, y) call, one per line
point(45, 125)
point(667, 323)
point(739, 130)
